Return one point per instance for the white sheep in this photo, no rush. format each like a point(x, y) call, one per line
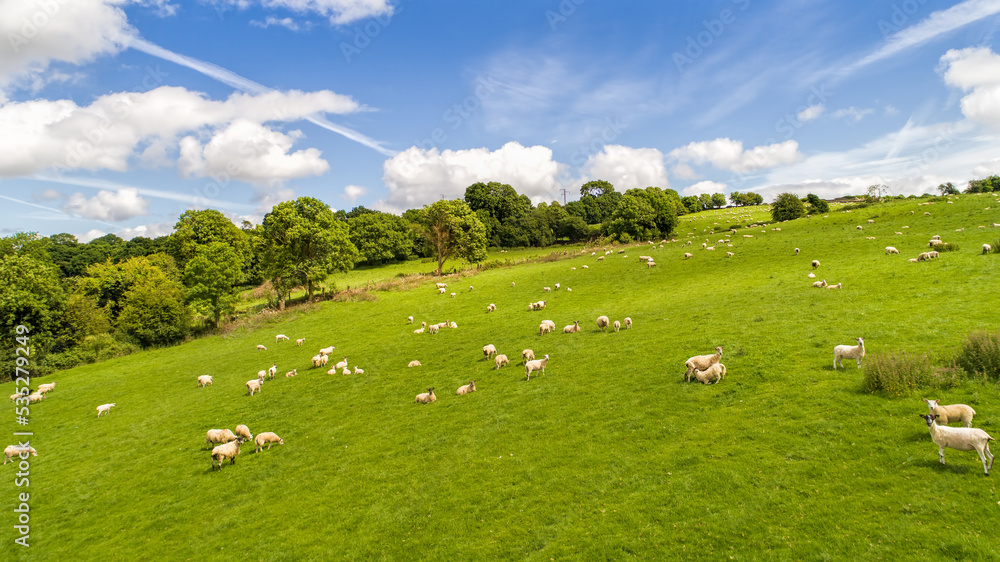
point(617, 325)
point(253, 386)
point(453, 325)
point(815, 264)
point(586, 267)
point(628, 323)
point(987, 248)
point(924, 256)
point(341, 364)
point(713, 374)
point(730, 254)
point(228, 451)
point(409, 320)
point(214, 436)
point(500, 360)
point(261, 375)
point(292, 373)
point(574, 327)
point(856, 352)
point(12, 451)
point(35, 397)
point(300, 341)
point(205, 380)
point(546, 289)
point(960, 439)
point(453, 295)
point(491, 308)
point(891, 250)
point(471, 287)
point(43, 388)
point(527, 355)
point(870, 221)
point(820, 284)
point(536, 365)
point(441, 291)
point(327, 350)
point(269, 438)
point(426, 397)
point(602, 323)
point(358, 370)
point(261, 348)
point(837, 286)
point(811, 275)
point(433, 329)
point(418, 331)
point(859, 227)
point(272, 371)
point(104, 408)
point(414, 363)
point(951, 414)
point(466, 388)
point(441, 285)
point(701, 362)
point(544, 328)
point(556, 286)
point(489, 350)
point(244, 432)
point(280, 337)
point(687, 255)
point(345, 371)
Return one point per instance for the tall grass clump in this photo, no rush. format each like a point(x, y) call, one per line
point(897, 374)
point(980, 354)
point(995, 247)
point(946, 247)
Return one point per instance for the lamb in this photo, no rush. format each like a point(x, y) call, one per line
point(951, 414)
point(300, 341)
point(12, 451)
point(556, 286)
point(815, 264)
point(280, 337)
point(253, 386)
point(228, 451)
point(500, 360)
point(104, 409)
point(470, 287)
point(856, 352)
point(220, 436)
point(466, 388)
point(617, 325)
point(441, 285)
point(426, 397)
point(837, 286)
point(820, 284)
point(811, 275)
point(345, 371)
point(960, 439)
point(602, 323)
point(358, 370)
point(341, 364)
point(796, 251)
point(244, 432)
point(292, 373)
point(986, 249)
point(859, 227)
point(489, 350)
point(713, 374)
point(453, 295)
point(546, 289)
point(261, 348)
point(545, 327)
point(586, 267)
point(575, 327)
point(536, 365)
point(433, 329)
point(701, 362)
point(527, 355)
point(272, 371)
point(891, 250)
point(628, 323)
point(409, 320)
point(491, 308)
point(452, 325)
point(269, 438)
point(261, 375)
point(203, 381)
point(414, 363)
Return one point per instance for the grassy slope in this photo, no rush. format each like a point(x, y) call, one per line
point(608, 454)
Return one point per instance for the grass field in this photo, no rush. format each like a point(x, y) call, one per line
point(607, 455)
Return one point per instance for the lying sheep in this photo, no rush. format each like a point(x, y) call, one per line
point(452, 325)
point(214, 436)
point(960, 439)
point(104, 409)
point(228, 451)
point(951, 414)
point(244, 432)
point(602, 323)
point(268, 438)
point(856, 352)
point(575, 327)
point(701, 362)
point(292, 373)
point(19, 451)
point(204, 380)
point(820, 284)
point(466, 388)
point(891, 250)
point(426, 397)
point(280, 338)
point(837, 286)
point(253, 387)
point(414, 363)
point(341, 364)
point(811, 275)
point(489, 350)
point(536, 365)
point(713, 374)
point(500, 360)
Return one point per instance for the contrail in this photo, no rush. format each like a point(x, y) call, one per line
point(246, 85)
point(57, 211)
point(157, 193)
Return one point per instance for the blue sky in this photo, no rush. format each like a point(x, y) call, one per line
point(116, 115)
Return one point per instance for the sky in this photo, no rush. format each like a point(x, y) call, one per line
point(116, 116)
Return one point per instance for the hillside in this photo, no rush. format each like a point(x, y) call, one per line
point(609, 454)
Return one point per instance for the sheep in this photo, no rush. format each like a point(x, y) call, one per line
point(628, 323)
point(511, 283)
point(470, 287)
point(453, 325)
point(951, 414)
point(575, 327)
point(933, 254)
point(870, 221)
point(228, 451)
point(35, 397)
point(426, 397)
point(104, 408)
point(491, 308)
point(244, 432)
point(925, 256)
point(414, 363)
point(466, 388)
point(959, 230)
point(341, 364)
point(538, 305)
point(261, 375)
point(704, 245)
point(358, 370)
point(600, 258)
point(527, 355)
point(441, 285)
point(409, 320)
point(856, 352)
point(586, 267)
point(253, 386)
point(837, 286)
point(912, 260)
point(203, 381)
point(545, 327)
point(536, 365)
point(891, 250)
point(418, 331)
point(323, 359)
point(261, 348)
point(292, 373)
point(489, 350)
point(811, 275)
point(433, 329)
point(986, 249)
point(820, 284)
point(12, 451)
point(280, 337)
point(43, 388)
point(617, 325)
point(556, 286)
point(960, 439)
point(453, 295)
point(345, 371)
point(934, 243)
point(441, 291)
point(730, 254)
point(859, 227)
point(215, 436)
point(272, 371)
point(547, 289)
point(900, 233)
point(815, 264)
point(710, 248)
point(300, 341)
point(713, 374)
point(602, 323)
point(269, 438)
point(687, 255)
point(568, 290)
point(500, 360)
point(327, 350)
point(701, 362)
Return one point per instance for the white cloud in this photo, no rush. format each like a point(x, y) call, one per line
point(851, 114)
point(975, 70)
point(728, 154)
point(154, 230)
point(417, 177)
point(49, 195)
point(684, 172)
point(107, 205)
point(287, 23)
point(352, 192)
point(811, 112)
point(627, 167)
point(89, 235)
point(339, 12)
point(891, 110)
point(709, 187)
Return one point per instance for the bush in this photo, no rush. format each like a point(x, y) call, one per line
point(853, 206)
point(898, 374)
point(787, 207)
point(946, 247)
point(980, 354)
point(995, 247)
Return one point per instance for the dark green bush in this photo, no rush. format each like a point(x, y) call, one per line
point(898, 374)
point(980, 354)
point(946, 247)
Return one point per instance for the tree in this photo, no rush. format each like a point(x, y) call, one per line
point(664, 204)
point(705, 200)
point(816, 205)
point(633, 219)
point(596, 188)
point(453, 230)
point(786, 207)
point(877, 191)
point(30, 295)
point(211, 276)
point(984, 185)
point(691, 203)
point(199, 228)
point(380, 237)
point(718, 200)
point(153, 312)
point(948, 189)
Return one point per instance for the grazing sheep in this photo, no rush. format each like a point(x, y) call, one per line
point(500, 360)
point(687, 255)
point(228, 451)
point(491, 308)
point(586, 267)
point(358, 370)
point(837, 286)
point(489, 350)
point(730, 254)
point(261, 348)
point(453, 295)
point(987, 248)
point(933, 254)
point(292, 373)
point(602, 323)
point(600, 258)
point(713, 374)
point(280, 337)
point(536, 365)
point(466, 388)
point(300, 341)
point(820, 284)
point(870, 221)
point(511, 283)
point(426, 397)
point(17, 395)
point(628, 323)
point(960, 439)
point(440, 285)
point(710, 248)
point(925, 256)
point(409, 320)
point(575, 327)
point(35, 397)
point(617, 325)
point(205, 380)
point(545, 327)
point(527, 355)
point(104, 409)
point(214, 436)
point(891, 250)
point(701, 362)
point(856, 352)
point(341, 364)
point(859, 227)
point(815, 264)
point(269, 438)
point(441, 291)
point(244, 432)
point(43, 388)
point(12, 451)
point(414, 363)
point(951, 414)
point(253, 386)
point(556, 286)
point(547, 289)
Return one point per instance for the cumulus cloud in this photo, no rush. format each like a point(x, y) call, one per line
point(107, 205)
point(811, 112)
point(339, 12)
point(728, 154)
point(709, 187)
point(417, 177)
point(154, 230)
point(627, 167)
point(352, 192)
point(684, 172)
point(975, 70)
point(851, 114)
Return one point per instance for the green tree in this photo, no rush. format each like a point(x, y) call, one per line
point(816, 205)
point(664, 205)
point(30, 295)
point(948, 189)
point(82, 318)
point(984, 185)
point(199, 228)
point(705, 200)
point(380, 237)
point(691, 203)
point(211, 276)
point(153, 312)
point(787, 207)
point(596, 188)
point(28, 244)
point(718, 200)
point(453, 230)
point(633, 219)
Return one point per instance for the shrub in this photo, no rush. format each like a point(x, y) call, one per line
point(853, 206)
point(995, 247)
point(787, 207)
point(945, 247)
point(980, 354)
point(897, 374)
